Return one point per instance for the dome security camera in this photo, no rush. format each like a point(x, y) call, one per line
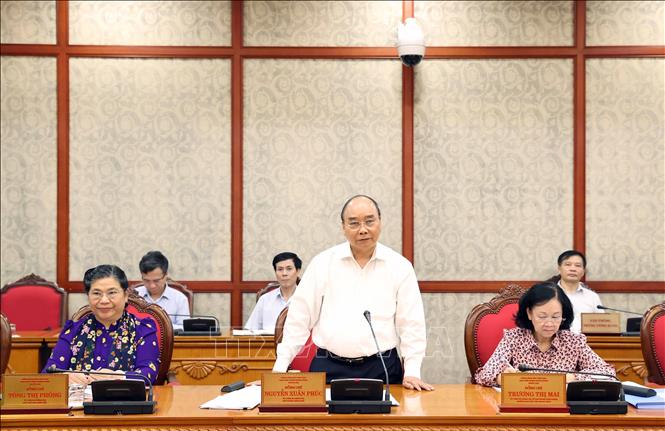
point(410, 42)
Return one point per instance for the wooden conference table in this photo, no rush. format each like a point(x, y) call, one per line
point(226, 358)
point(448, 407)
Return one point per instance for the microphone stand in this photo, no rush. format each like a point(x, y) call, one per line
point(365, 406)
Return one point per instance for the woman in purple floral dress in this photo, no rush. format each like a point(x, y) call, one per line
point(110, 339)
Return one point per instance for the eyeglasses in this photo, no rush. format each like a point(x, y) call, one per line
point(553, 319)
point(155, 281)
point(355, 225)
point(97, 295)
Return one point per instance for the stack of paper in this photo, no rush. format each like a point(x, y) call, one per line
point(655, 402)
point(239, 332)
point(243, 399)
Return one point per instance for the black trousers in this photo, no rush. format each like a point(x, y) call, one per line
point(370, 368)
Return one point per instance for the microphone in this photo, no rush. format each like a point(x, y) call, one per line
point(602, 307)
point(525, 367)
point(368, 317)
point(117, 396)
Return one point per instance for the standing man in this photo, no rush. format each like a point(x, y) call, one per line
point(572, 265)
point(154, 267)
point(287, 269)
point(339, 285)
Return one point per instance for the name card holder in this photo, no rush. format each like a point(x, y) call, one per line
point(533, 393)
point(601, 323)
point(293, 392)
point(35, 393)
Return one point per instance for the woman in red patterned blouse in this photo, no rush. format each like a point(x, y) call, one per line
point(542, 339)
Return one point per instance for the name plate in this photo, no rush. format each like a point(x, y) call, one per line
point(531, 392)
point(35, 393)
point(293, 392)
point(601, 323)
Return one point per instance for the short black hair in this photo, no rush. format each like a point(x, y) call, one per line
point(104, 271)
point(348, 201)
point(153, 260)
point(286, 256)
point(570, 253)
point(539, 294)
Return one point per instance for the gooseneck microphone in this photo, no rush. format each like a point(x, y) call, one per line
point(368, 317)
point(602, 307)
point(525, 367)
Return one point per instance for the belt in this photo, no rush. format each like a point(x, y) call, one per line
point(348, 361)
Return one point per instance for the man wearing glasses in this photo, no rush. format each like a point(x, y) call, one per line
point(154, 267)
point(339, 285)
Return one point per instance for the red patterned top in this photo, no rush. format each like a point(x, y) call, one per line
point(569, 351)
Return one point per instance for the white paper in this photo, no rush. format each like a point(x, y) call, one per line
point(78, 394)
point(239, 332)
point(392, 399)
point(243, 399)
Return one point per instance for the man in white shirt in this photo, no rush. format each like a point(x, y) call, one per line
point(339, 285)
point(572, 265)
point(287, 270)
point(154, 267)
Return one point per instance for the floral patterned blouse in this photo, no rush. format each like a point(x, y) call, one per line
point(569, 351)
point(130, 345)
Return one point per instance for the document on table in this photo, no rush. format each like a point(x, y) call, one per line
point(243, 399)
point(393, 401)
point(655, 402)
point(78, 394)
point(238, 332)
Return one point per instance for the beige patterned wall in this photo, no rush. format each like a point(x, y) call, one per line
point(321, 23)
point(150, 164)
point(493, 168)
point(188, 23)
point(27, 21)
point(315, 133)
point(28, 169)
point(625, 201)
point(613, 22)
point(496, 23)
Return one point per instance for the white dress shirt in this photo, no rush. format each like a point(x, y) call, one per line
point(584, 300)
point(267, 310)
point(173, 302)
point(332, 296)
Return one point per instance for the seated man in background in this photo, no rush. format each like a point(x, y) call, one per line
point(572, 265)
point(109, 339)
point(154, 267)
point(287, 267)
point(542, 340)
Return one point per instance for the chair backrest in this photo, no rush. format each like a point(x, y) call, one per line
point(652, 333)
point(141, 309)
point(485, 325)
point(270, 286)
point(34, 304)
point(5, 342)
point(182, 288)
point(304, 358)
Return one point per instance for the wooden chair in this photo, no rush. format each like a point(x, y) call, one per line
point(269, 287)
point(182, 288)
point(34, 304)
point(141, 309)
point(652, 335)
point(485, 325)
point(303, 359)
point(5, 342)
